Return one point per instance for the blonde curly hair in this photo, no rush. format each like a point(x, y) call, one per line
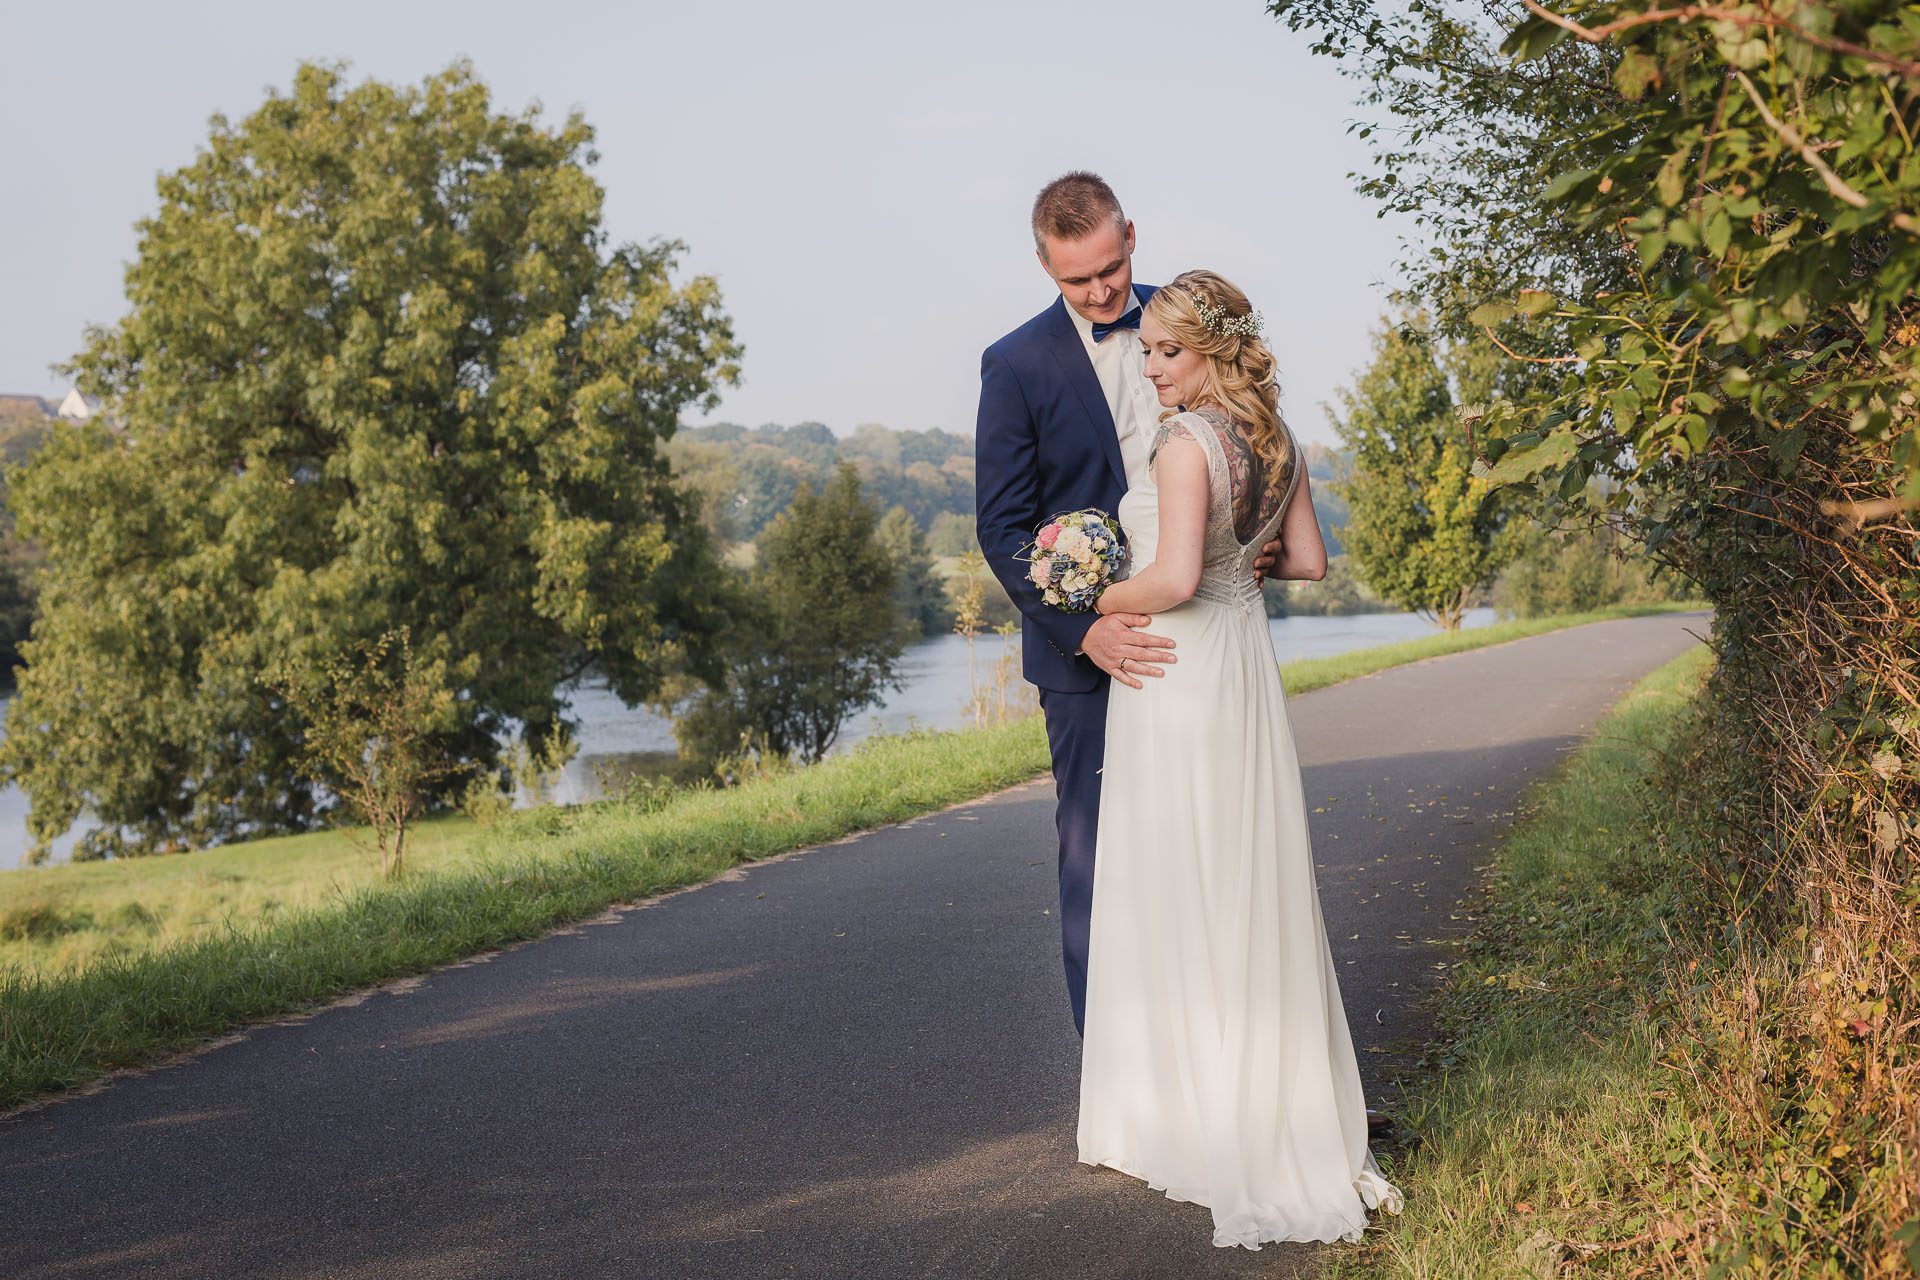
point(1240, 365)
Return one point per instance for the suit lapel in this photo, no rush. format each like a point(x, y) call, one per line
point(1071, 356)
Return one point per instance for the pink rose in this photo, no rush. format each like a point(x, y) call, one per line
point(1048, 536)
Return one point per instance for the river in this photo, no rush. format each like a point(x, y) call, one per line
point(933, 697)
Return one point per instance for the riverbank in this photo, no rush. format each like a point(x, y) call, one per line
point(1547, 1099)
point(253, 930)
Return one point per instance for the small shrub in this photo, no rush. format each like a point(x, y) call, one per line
point(483, 798)
point(40, 919)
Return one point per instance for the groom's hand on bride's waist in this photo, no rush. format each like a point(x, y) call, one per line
point(1118, 647)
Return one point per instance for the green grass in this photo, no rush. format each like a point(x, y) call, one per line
point(1545, 1105)
point(63, 918)
point(106, 964)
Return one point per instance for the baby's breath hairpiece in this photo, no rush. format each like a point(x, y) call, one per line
point(1218, 321)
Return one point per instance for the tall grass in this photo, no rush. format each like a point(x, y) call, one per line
point(64, 918)
point(1547, 1124)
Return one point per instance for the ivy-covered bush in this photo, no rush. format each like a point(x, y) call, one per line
point(1699, 227)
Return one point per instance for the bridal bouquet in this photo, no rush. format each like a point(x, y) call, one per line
point(1074, 558)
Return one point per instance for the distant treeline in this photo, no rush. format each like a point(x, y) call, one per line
point(748, 475)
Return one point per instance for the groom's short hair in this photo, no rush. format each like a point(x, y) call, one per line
point(1071, 206)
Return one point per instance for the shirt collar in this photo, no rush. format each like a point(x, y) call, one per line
point(1085, 326)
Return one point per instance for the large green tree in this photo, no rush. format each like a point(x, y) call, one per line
point(382, 366)
point(1425, 536)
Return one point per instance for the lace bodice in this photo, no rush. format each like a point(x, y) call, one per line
point(1243, 511)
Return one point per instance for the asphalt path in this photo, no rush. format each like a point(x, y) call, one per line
point(857, 1060)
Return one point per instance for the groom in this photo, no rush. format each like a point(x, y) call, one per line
point(1066, 419)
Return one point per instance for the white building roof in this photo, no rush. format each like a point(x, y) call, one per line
point(77, 407)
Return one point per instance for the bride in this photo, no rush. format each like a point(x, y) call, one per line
point(1217, 1064)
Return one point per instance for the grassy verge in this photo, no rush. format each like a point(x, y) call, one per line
point(109, 964)
point(1547, 1106)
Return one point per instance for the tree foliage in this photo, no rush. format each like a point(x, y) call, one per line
point(1576, 569)
point(1768, 285)
point(953, 534)
point(1697, 227)
point(815, 637)
point(1463, 139)
point(374, 722)
point(22, 431)
point(1425, 536)
point(919, 598)
point(753, 473)
point(1324, 469)
point(381, 366)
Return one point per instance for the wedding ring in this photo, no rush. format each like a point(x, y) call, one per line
point(1123, 664)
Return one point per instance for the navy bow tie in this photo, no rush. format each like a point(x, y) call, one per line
point(1131, 320)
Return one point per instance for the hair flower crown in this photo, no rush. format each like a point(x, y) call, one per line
point(1218, 321)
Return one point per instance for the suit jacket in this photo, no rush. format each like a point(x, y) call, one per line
point(1044, 444)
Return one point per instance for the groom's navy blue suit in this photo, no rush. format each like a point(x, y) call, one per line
point(1046, 444)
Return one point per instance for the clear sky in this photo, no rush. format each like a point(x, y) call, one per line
point(856, 175)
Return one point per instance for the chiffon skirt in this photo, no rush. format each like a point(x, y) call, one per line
point(1217, 1065)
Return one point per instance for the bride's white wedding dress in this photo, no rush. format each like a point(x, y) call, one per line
point(1217, 1064)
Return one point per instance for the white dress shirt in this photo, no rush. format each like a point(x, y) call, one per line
point(1121, 369)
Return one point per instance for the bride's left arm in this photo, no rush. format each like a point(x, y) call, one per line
point(1180, 470)
point(1303, 553)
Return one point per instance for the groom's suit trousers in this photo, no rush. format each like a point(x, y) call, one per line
point(1077, 736)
